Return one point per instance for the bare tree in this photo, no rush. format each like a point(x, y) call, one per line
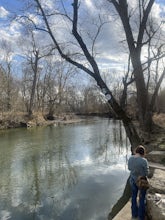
point(6, 68)
point(34, 65)
point(93, 70)
point(90, 66)
point(33, 56)
point(54, 87)
point(135, 46)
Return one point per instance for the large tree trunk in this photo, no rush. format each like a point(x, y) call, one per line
point(135, 46)
point(127, 122)
point(144, 111)
point(93, 71)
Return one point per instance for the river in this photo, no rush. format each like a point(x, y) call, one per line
point(72, 172)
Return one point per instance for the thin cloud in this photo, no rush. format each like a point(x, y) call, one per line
point(3, 12)
point(48, 4)
point(110, 45)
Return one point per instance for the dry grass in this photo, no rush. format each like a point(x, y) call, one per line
point(14, 119)
point(159, 119)
point(38, 119)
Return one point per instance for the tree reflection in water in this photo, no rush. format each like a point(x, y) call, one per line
point(118, 139)
point(50, 173)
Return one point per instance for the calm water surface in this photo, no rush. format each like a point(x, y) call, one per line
point(73, 172)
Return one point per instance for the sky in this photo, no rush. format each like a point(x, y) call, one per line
point(110, 49)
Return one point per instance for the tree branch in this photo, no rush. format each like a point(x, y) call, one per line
point(152, 103)
point(80, 40)
point(97, 34)
point(64, 56)
point(143, 23)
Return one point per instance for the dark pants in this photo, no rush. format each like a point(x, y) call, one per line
point(137, 210)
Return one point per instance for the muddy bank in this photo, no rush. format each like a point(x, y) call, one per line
point(8, 121)
point(155, 199)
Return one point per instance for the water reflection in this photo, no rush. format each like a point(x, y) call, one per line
point(71, 172)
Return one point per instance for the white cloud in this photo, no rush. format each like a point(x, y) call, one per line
point(157, 10)
point(9, 35)
point(47, 4)
point(5, 214)
point(34, 18)
point(3, 12)
point(109, 49)
point(89, 4)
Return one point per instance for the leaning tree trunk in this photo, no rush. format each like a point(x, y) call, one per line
point(95, 73)
point(143, 107)
point(127, 122)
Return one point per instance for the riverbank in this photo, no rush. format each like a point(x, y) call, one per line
point(18, 120)
point(54, 172)
point(155, 144)
point(155, 199)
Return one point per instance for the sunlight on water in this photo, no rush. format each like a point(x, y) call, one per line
point(72, 172)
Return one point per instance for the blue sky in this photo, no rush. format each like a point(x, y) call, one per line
point(109, 47)
point(14, 5)
point(11, 5)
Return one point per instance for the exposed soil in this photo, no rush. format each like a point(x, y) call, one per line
point(17, 120)
point(152, 141)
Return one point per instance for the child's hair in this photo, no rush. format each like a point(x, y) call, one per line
point(140, 150)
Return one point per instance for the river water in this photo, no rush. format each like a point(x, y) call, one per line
point(72, 172)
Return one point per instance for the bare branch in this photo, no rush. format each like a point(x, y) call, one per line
point(152, 103)
point(154, 58)
point(143, 23)
point(31, 21)
point(97, 34)
point(80, 40)
point(65, 14)
point(64, 56)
